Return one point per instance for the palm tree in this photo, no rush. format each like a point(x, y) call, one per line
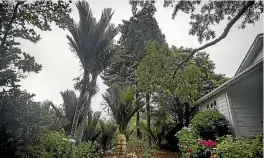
point(122, 105)
point(91, 131)
point(69, 105)
point(108, 131)
point(65, 115)
point(92, 42)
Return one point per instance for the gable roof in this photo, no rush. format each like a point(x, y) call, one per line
point(245, 67)
point(252, 53)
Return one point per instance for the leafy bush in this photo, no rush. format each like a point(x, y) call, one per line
point(191, 146)
point(32, 151)
point(84, 150)
point(135, 145)
point(230, 147)
point(210, 124)
point(57, 145)
point(148, 153)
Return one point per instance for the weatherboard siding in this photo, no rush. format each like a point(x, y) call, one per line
point(248, 112)
point(221, 104)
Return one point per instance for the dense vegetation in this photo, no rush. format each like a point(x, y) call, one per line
point(148, 101)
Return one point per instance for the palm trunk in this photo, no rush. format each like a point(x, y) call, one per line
point(78, 106)
point(137, 124)
point(87, 104)
point(148, 116)
point(137, 120)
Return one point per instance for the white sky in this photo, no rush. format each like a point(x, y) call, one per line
point(60, 66)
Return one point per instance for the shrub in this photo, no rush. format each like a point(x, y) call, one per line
point(84, 150)
point(32, 151)
point(57, 145)
point(135, 145)
point(210, 124)
point(230, 147)
point(191, 146)
point(148, 153)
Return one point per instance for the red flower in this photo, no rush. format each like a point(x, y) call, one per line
point(189, 149)
point(207, 144)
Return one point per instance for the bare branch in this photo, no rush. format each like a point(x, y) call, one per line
point(223, 35)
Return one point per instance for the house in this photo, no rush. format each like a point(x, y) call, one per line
point(240, 99)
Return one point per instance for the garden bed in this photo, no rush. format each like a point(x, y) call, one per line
point(158, 154)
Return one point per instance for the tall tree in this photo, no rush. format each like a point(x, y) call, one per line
point(139, 29)
point(22, 121)
point(22, 118)
point(177, 97)
point(19, 20)
point(92, 42)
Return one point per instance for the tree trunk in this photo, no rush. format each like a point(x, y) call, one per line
point(187, 115)
point(148, 116)
point(137, 124)
point(2, 55)
point(85, 114)
point(81, 100)
point(137, 120)
point(87, 104)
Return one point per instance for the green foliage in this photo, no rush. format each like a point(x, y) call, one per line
point(108, 132)
point(210, 124)
point(134, 145)
point(187, 138)
point(57, 145)
point(210, 80)
point(148, 153)
point(139, 29)
point(206, 14)
point(155, 71)
point(230, 147)
point(84, 150)
point(14, 63)
point(33, 151)
point(93, 43)
point(122, 104)
point(192, 147)
point(157, 131)
point(22, 120)
point(92, 130)
point(70, 102)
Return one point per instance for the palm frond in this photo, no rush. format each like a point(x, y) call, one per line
point(69, 103)
point(122, 105)
point(92, 132)
point(108, 132)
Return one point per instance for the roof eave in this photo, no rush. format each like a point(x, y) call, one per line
point(251, 47)
point(231, 81)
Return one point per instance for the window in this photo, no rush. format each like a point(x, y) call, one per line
point(212, 105)
point(215, 107)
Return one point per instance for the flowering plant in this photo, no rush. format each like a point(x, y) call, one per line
point(207, 144)
point(192, 147)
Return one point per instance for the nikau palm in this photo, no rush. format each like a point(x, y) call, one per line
point(123, 106)
point(92, 42)
point(69, 106)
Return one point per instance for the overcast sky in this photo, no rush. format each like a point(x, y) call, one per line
point(60, 66)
